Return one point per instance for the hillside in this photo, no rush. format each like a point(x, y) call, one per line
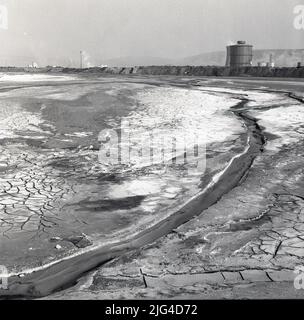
point(282, 58)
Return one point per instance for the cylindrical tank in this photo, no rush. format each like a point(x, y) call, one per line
point(241, 54)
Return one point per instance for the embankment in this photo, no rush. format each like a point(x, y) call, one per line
point(212, 71)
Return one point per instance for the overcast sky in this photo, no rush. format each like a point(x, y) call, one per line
point(54, 31)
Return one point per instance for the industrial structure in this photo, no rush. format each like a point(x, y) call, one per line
point(239, 55)
point(269, 64)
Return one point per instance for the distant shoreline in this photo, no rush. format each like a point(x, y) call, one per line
point(211, 71)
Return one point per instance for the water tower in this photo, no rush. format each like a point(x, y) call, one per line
point(239, 55)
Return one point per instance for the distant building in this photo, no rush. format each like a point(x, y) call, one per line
point(34, 65)
point(270, 64)
point(239, 55)
point(271, 61)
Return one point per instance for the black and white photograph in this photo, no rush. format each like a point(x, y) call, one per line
point(151, 150)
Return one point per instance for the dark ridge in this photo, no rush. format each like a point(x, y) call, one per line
point(187, 70)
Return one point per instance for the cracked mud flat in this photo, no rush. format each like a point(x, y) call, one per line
point(245, 245)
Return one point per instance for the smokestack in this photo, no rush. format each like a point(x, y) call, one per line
point(81, 58)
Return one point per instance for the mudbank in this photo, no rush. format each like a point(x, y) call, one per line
point(241, 227)
point(55, 276)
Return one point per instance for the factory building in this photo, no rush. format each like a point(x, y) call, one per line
point(239, 55)
point(270, 64)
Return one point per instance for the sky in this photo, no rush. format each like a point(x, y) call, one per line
point(54, 31)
